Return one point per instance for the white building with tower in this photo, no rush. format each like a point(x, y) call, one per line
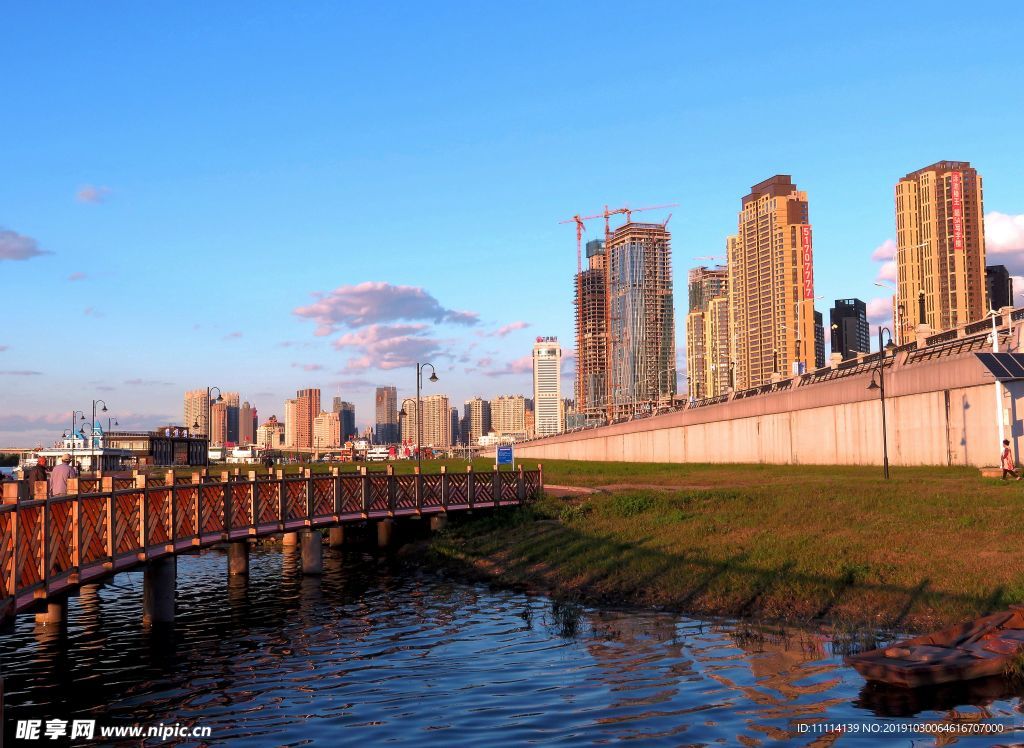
point(549, 418)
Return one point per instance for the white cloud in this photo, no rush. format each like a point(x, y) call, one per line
point(887, 272)
point(885, 251)
point(879, 310)
point(1004, 234)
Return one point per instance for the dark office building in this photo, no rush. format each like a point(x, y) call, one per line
point(998, 286)
point(456, 431)
point(850, 331)
point(819, 341)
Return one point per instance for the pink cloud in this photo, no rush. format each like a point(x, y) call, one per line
point(77, 277)
point(373, 302)
point(93, 194)
point(505, 329)
point(15, 246)
point(308, 367)
point(879, 310)
point(887, 272)
point(232, 336)
point(91, 311)
point(4, 348)
point(523, 365)
point(388, 346)
point(885, 251)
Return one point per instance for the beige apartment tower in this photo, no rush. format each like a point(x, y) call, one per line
point(706, 289)
point(771, 284)
point(940, 255)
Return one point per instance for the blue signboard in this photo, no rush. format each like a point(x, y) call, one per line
point(505, 455)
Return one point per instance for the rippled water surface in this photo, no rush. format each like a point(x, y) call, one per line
point(377, 652)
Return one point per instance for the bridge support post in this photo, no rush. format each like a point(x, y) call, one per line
point(438, 522)
point(56, 613)
point(290, 539)
point(312, 558)
point(336, 537)
point(158, 586)
point(238, 558)
point(385, 531)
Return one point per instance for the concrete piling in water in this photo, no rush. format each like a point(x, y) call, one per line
point(385, 532)
point(336, 537)
point(238, 558)
point(159, 580)
point(290, 539)
point(56, 613)
point(312, 557)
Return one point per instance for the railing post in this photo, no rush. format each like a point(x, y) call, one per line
point(540, 480)
point(496, 486)
point(169, 478)
point(254, 502)
point(336, 482)
point(392, 488)
point(418, 489)
point(45, 545)
point(444, 487)
point(281, 508)
point(520, 485)
point(307, 473)
point(107, 487)
point(364, 487)
point(470, 486)
point(140, 483)
point(197, 481)
point(225, 487)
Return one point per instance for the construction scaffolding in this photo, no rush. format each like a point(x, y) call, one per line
point(592, 334)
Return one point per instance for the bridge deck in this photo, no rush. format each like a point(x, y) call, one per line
point(50, 545)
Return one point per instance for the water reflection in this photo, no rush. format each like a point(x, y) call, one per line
point(376, 651)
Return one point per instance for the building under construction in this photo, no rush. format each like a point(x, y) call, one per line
point(592, 335)
point(641, 319)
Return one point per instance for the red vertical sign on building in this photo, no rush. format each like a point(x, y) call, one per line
point(956, 189)
point(807, 259)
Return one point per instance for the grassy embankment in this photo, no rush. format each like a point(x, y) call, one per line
point(788, 543)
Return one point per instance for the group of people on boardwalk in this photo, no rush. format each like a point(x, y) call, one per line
point(57, 477)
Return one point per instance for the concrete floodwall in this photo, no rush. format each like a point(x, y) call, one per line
point(938, 412)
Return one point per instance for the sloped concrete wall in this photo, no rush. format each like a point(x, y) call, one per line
point(941, 412)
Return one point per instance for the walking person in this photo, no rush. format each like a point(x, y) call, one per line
point(60, 475)
point(1006, 460)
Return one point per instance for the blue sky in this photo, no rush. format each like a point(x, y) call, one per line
point(177, 180)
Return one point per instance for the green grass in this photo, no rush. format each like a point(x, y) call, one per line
point(930, 546)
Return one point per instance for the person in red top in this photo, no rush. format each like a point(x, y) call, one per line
point(1007, 461)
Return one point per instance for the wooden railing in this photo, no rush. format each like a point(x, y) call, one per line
point(105, 525)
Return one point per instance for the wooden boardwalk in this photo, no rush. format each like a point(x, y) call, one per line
point(48, 546)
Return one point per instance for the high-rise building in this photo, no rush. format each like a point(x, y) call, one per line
point(437, 422)
point(327, 430)
point(219, 424)
point(508, 415)
point(307, 408)
point(408, 421)
point(347, 418)
point(848, 320)
point(548, 417)
point(196, 404)
point(386, 401)
point(592, 333)
point(641, 314)
point(940, 255)
point(819, 341)
point(291, 417)
point(271, 434)
point(707, 340)
point(998, 286)
point(232, 402)
point(478, 419)
point(246, 433)
point(771, 284)
point(455, 435)
point(717, 336)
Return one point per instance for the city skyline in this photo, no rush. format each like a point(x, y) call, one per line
point(85, 212)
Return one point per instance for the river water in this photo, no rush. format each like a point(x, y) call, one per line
point(379, 651)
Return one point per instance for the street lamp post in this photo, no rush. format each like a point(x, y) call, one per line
point(402, 414)
point(419, 410)
point(209, 419)
point(880, 386)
